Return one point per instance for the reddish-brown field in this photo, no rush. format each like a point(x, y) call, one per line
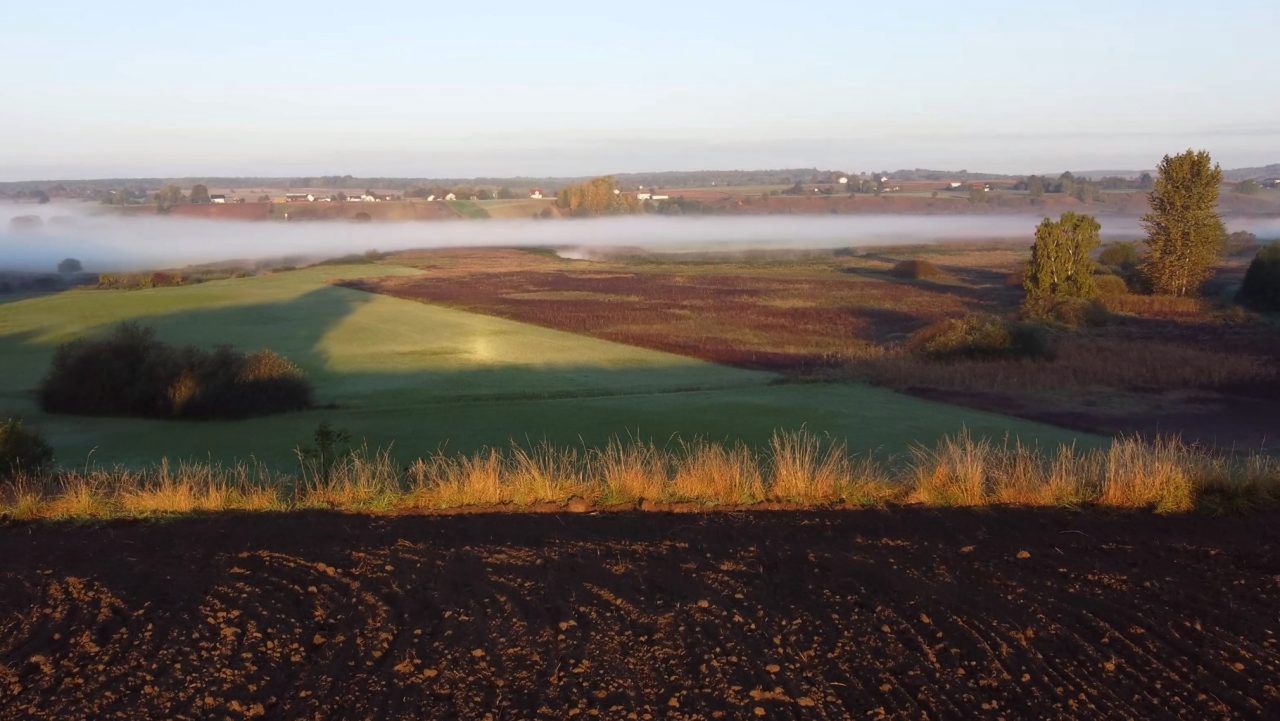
point(800, 615)
point(1159, 365)
point(776, 314)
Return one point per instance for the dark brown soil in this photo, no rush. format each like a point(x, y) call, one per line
point(855, 615)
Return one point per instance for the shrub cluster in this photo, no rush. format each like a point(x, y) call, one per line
point(918, 270)
point(980, 336)
point(130, 372)
point(1109, 285)
point(21, 450)
point(1261, 287)
point(167, 279)
point(1120, 257)
point(138, 281)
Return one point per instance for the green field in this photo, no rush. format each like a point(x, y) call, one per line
point(417, 377)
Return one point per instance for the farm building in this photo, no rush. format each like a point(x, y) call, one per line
point(299, 198)
point(218, 199)
point(536, 194)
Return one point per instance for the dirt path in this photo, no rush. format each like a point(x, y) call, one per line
point(905, 614)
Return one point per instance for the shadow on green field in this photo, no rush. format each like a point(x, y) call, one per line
point(433, 393)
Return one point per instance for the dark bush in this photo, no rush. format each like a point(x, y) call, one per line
point(918, 270)
point(1110, 285)
point(1261, 287)
point(1241, 242)
point(1069, 312)
point(21, 450)
point(1122, 257)
point(70, 265)
point(132, 373)
point(980, 336)
point(369, 256)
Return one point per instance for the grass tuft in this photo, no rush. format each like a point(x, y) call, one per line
point(797, 469)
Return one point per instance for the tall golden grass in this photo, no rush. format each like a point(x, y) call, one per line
point(794, 470)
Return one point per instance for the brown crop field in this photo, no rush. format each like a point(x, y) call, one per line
point(1010, 614)
point(1157, 365)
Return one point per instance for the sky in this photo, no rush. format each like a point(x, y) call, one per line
point(567, 88)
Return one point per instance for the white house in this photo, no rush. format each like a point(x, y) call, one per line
point(535, 194)
point(218, 199)
point(842, 180)
point(450, 196)
point(369, 198)
point(299, 198)
point(643, 195)
point(954, 184)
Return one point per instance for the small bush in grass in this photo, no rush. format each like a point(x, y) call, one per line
point(980, 336)
point(1261, 287)
point(918, 270)
point(21, 450)
point(131, 372)
point(329, 446)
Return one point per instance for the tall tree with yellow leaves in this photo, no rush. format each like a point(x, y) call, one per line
point(1185, 236)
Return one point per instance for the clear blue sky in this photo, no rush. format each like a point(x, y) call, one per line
point(94, 89)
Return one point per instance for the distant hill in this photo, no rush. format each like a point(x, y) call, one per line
point(1233, 175)
point(1100, 174)
point(661, 179)
point(1266, 171)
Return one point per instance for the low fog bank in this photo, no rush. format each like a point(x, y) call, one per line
point(112, 243)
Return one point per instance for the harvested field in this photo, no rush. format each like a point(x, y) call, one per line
point(910, 614)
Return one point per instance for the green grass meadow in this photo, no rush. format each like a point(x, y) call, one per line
point(417, 378)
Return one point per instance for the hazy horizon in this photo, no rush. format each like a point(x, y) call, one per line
point(572, 89)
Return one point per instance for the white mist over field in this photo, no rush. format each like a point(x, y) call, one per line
point(104, 242)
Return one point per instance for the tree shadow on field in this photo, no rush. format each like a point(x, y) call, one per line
point(438, 393)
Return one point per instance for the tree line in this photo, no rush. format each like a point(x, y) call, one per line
point(1185, 240)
